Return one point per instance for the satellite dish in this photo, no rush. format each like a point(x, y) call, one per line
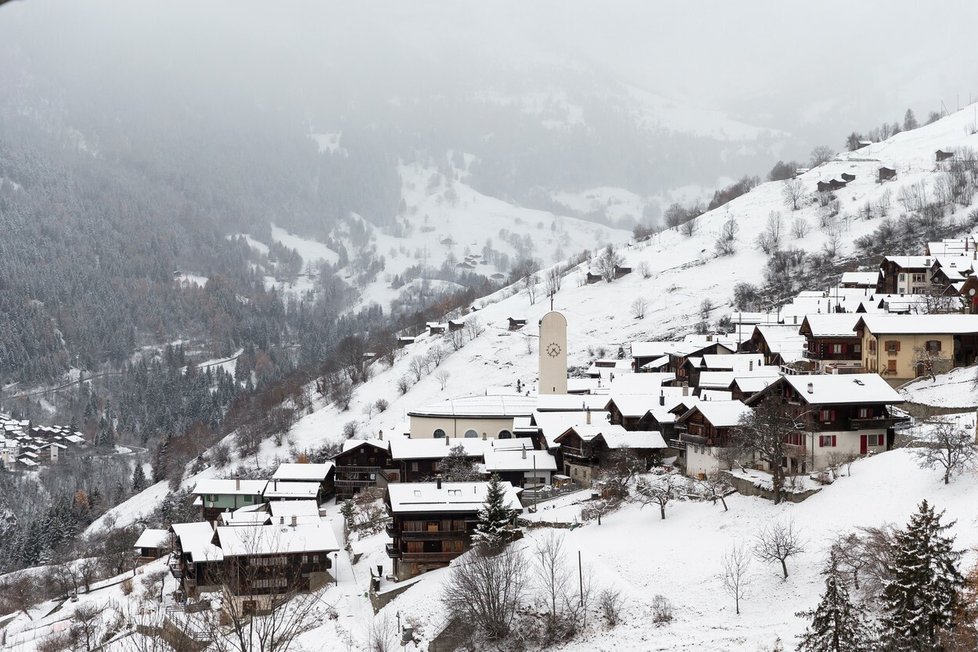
point(971, 292)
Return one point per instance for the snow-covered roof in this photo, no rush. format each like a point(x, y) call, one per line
point(306, 472)
point(304, 510)
point(291, 489)
point(753, 384)
point(248, 515)
point(836, 389)
point(920, 324)
point(645, 383)
point(350, 444)
point(723, 379)
point(414, 497)
point(733, 361)
point(277, 539)
point(722, 414)
point(860, 278)
point(152, 538)
point(715, 395)
point(642, 439)
point(832, 325)
point(657, 363)
point(214, 486)
point(421, 449)
point(653, 349)
point(633, 405)
point(195, 540)
point(493, 406)
point(910, 262)
point(552, 424)
point(519, 460)
point(571, 402)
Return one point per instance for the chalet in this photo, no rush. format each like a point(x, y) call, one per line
point(516, 323)
point(969, 294)
point(292, 490)
point(585, 449)
point(885, 174)
point(679, 356)
point(363, 464)
point(405, 340)
point(644, 353)
point(196, 561)
point(419, 460)
point(303, 511)
point(215, 496)
point(848, 177)
point(473, 417)
point(455, 325)
point(521, 468)
point(830, 185)
point(941, 155)
point(264, 562)
point(621, 270)
point(551, 425)
point(436, 328)
point(965, 246)
point(743, 387)
point(832, 344)
point(866, 280)
point(432, 522)
point(705, 431)
point(838, 417)
point(323, 473)
point(608, 368)
point(591, 278)
point(947, 273)
point(902, 347)
point(152, 544)
point(778, 343)
point(251, 515)
point(721, 380)
point(905, 274)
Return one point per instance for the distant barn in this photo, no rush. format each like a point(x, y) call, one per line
point(885, 174)
point(848, 177)
point(941, 155)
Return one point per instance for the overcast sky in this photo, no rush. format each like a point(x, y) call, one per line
point(813, 69)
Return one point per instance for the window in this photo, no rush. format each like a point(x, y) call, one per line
point(836, 349)
point(211, 498)
point(891, 366)
point(471, 434)
point(826, 416)
point(865, 412)
point(857, 348)
point(892, 346)
point(826, 441)
point(439, 433)
point(933, 346)
point(918, 278)
point(874, 440)
point(414, 466)
point(248, 499)
point(505, 434)
point(795, 439)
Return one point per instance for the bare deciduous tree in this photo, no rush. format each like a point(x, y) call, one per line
point(530, 283)
point(607, 264)
point(638, 307)
point(821, 154)
point(658, 491)
point(486, 590)
point(793, 192)
point(553, 576)
point(946, 445)
point(779, 542)
point(799, 227)
point(473, 328)
point(761, 434)
point(610, 601)
point(715, 486)
point(689, 227)
point(735, 573)
point(442, 377)
point(456, 338)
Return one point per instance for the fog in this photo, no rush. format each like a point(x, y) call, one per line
point(793, 74)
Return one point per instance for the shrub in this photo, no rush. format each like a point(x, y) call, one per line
point(661, 610)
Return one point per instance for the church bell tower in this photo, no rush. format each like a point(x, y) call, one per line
point(553, 354)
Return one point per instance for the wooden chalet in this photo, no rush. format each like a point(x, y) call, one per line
point(941, 155)
point(832, 345)
point(363, 464)
point(419, 460)
point(152, 544)
point(516, 323)
point(324, 474)
point(838, 417)
point(585, 449)
point(905, 274)
point(830, 185)
point(432, 522)
point(848, 177)
point(704, 430)
point(215, 496)
point(885, 174)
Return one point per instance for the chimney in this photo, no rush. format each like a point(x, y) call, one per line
point(237, 482)
point(438, 481)
point(275, 486)
point(685, 388)
point(811, 388)
point(380, 434)
point(446, 440)
point(588, 417)
point(750, 365)
point(294, 520)
point(524, 451)
point(281, 520)
point(662, 397)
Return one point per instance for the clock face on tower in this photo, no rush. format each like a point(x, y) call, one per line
point(553, 349)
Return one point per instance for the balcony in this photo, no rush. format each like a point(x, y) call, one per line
point(392, 551)
point(875, 423)
point(429, 535)
point(698, 440)
point(795, 450)
point(429, 556)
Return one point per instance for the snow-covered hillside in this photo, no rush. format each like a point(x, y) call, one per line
point(673, 273)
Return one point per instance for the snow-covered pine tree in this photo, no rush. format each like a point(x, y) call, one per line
point(495, 517)
point(921, 599)
point(138, 478)
point(457, 466)
point(836, 624)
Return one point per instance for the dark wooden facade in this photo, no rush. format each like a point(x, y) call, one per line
point(426, 541)
point(363, 467)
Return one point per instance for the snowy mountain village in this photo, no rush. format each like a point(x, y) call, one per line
point(697, 441)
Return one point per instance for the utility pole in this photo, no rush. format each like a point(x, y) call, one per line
point(580, 575)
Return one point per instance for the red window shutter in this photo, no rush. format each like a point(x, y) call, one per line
point(898, 345)
point(833, 441)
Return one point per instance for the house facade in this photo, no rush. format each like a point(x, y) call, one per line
point(215, 496)
point(832, 345)
point(432, 522)
point(472, 417)
point(363, 464)
point(903, 347)
point(705, 432)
